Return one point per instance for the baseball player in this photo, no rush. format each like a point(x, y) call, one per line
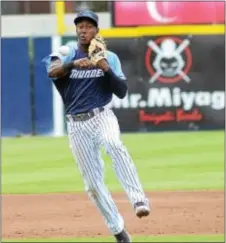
point(87, 76)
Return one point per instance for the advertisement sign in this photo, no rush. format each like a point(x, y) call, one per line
point(168, 12)
point(175, 82)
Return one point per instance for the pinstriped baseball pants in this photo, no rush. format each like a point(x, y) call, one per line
point(85, 139)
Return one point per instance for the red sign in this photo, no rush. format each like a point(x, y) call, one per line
point(173, 13)
point(180, 116)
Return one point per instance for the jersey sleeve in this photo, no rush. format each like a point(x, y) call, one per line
point(63, 58)
point(115, 64)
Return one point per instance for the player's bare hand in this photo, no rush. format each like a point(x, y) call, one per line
point(56, 70)
point(83, 63)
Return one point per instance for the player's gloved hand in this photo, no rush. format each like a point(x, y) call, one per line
point(103, 64)
point(83, 63)
point(97, 50)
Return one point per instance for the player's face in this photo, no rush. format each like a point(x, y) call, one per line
point(86, 30)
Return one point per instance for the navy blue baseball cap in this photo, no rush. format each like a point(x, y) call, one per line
point(87, 14)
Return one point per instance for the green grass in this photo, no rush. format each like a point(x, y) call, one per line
point(186, 238)
point(165, 161)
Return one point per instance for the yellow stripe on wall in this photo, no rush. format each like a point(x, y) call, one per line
point(60, 10)
point(163, 30)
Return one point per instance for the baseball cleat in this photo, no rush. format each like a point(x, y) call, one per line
point(123, 237)
point(142, 209)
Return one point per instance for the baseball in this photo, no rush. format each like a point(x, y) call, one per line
point(64, 50)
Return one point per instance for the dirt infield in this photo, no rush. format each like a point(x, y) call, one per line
point(73, 215)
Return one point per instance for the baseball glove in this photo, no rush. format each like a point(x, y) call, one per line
point(97, 49)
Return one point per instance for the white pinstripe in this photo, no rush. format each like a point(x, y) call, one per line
point(85, 139)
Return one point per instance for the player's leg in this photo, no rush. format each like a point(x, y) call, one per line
point(90, 164)
point(122, 163)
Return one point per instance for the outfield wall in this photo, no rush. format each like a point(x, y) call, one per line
point(185, 92)
point(41, 24)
